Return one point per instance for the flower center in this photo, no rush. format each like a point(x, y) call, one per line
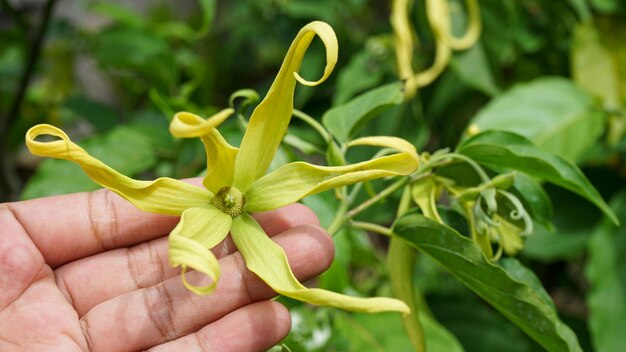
point(230, 201)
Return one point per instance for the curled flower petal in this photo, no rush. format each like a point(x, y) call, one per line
point(472, 34)
point(163, 195)
point(220, 161)
point(269, 120)
point(267, 260)
point(188, 125)
point(296, 180)
point(199, 230)
point(403, 37)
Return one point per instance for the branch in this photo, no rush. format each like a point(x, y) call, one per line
point(9, 182)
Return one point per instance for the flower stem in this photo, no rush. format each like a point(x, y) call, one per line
point(313, 123)
point(340, 218)
point(383, 194)
point(368, 226)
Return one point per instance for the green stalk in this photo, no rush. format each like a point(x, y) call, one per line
point(401, 263)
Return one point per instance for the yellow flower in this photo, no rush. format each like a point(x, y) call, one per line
point(236, 184)
point(438, 13)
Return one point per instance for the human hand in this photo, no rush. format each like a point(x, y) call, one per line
point(89, 272)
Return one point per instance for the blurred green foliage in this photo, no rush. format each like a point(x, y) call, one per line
point(113, 74)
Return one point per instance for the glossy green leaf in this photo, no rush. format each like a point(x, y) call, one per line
point(343, 121)
point(362, 72)
point(500, 149)
point(607, 6)
point(606, 271)
point(473, 69)
point(477, 326)
point(534, 198)
point(556, 115)
point(593, 68)
point(574, 220)
point(119, 13)
point(139, 47)
point(99, 115)
point(384, 332)
point(511, 288)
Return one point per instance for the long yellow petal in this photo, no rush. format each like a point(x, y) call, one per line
point(471, 35)
point(220, 155)
point(403, 37)
point(438, 12)
point(294, 181)
point(269, 120)
point(220, 161)
point(267, 260)
point(188, 125)
point(190, 242)
point(163, 195)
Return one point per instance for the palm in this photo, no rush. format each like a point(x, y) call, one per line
point(47, 320)
point(106, 285)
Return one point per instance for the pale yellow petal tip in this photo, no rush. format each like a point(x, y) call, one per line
point(188, 125)
point(392, 305)
point(188, 253)
point(326, 33)
point(396, 143)
point(199, 290)
point(42, 148)
point(43, 129)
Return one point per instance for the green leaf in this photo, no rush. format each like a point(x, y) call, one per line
point(139, 47)
point(501, 149)
point(574, 220)
point(99, 115)
point(118, 13)
point(556, 115)
point(144, 54)
point(384, 332)
point(477, 326)
point(362, 72)
point(343, 121)
point(606, 271)
point(473, 69)
point(534, 198)
point(607, 6)
point(512, 289)
point(593, 68)
point(56, 176)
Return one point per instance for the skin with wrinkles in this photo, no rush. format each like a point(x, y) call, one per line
point(89, 272)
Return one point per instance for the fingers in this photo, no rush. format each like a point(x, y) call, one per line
point(69, 227)
point(73, 226)
point(255, 327)
point(89, 281)
point(20, 261)
point(167, 311)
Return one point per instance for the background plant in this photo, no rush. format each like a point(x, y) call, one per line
point(552, 72)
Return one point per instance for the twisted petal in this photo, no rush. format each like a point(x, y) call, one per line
point(471, 35)
point(220, 155)
point(163, 195)
point(294, 181)
point(220, 161)
point(403, 37)
point(267, 260)
point(190, 242)
point(269, 120)
point(188, 125)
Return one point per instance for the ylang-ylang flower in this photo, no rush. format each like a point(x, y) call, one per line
point(236, 184)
